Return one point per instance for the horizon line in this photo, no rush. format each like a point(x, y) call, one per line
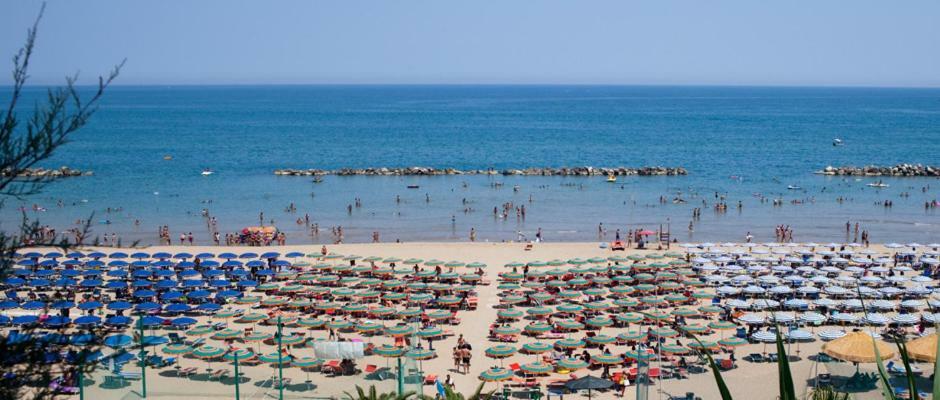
point(493, 84)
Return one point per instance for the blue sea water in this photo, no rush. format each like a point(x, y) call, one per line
point(737, 141)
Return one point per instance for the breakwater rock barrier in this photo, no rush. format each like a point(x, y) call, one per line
point(428, 171)
point(874, 170)
point(61, 172)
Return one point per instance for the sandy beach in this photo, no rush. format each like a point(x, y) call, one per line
point(746, 380)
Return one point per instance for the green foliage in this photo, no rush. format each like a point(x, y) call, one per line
point(828, 393)
point(372, 394)
point(450, 394)
point(785, 378)
point(905, 358)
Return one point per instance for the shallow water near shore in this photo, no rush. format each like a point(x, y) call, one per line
point(740, 142)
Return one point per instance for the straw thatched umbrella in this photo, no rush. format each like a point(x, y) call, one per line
point(924, 348)
point(858, 347)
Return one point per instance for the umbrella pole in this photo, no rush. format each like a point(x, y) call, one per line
point(280, 362)
point(237, 378)
point(143, 353)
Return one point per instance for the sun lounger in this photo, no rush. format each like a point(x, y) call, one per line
point(133, 376)
point(184, 372)
point(219, 374)
point(430, 379)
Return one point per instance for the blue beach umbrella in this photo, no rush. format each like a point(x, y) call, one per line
point(116, 285)
point(118, 320)
point(8, 305)
point(117, 255)
point(90, 305)
point(118, 341)
point(147, 306)
point(209, 307)
point(119, 305)
point(140, 255)
point(25, 320)
point(87, 320)
point(33, 305)
point(228, 256)
point(171, 295)
point(183, 321)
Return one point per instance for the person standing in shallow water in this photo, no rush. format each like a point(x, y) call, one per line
point(473, 235)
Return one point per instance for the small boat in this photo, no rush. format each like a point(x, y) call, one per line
point(837, 142)
point(413, 186)
point(611, 178)
point(878, 184)
point(793, 187)
point(207, 172)
point(167, 157)
point(318, 180)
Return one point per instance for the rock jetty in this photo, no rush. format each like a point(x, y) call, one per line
point(428, 171)
point(874, 170)
point(61, 172)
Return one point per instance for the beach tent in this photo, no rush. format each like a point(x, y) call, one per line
point(858, 347)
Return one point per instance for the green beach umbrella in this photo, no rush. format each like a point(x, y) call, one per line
point(536, 347)
point(537, 368)
point(500, 351)
point(694, 328)
point(721, 325)
point(290, 340)
point(684, 312)
point(311, 322)
point(227, 313)
point(275, 358)
point(177, 349)
point(439, 314)
point(569, 324)
point(248, 300)
point(663, 332)
point(388, 351)
point(539, 311)
point(369, 327)
point(399, 331)
point(703, 345)
point(454, 264)
point(571, 364)
point(243, 355)
point(253, 317)
point(732, 342)
point(629, 317)
point(430, 332)
point(476, 265)
point(307, 362)
point(640, 355)
point(208, 352)
point(637, 336)
point(420, 354)
point(569, 308)
point(339, 324)
point(509, 313)
point(227, 333)
point(507, 330)
point(413, 261)
point(600, 339)
point(274, 301)
point(607, 359)
point(410, 312)
point(709, 309)
point(599, 321)
point(258, 336)
point(538, 327)
point(495, 375)
point(674, 349)
point(200, 330)
point(569, 343)
point(507, 286)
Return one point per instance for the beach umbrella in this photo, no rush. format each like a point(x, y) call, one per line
point(732, 342)
point(536, 347)
point(399, 331)
point(599, 321)
point(177, 349)
point(227, 333)
point(496, 375)
point(589, 383)
point(693, 328)
point(275, 358)
point(641, 355)
point(537, 368)
point(292, 339)
point(858, 347)
point(663, 332)
point(569, 343)
point(600, 339)
point(631, 336)
point(923, 348)
point(509, 313)
point(388, 351)
point(674, 349)
point(208, 352)
point(569, 324)
point(507, 330)
point(420, 354)
point(118, 341)
point(571, 364)
point(538, 327)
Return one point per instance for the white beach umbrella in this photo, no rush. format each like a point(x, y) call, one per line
point(905, 319)
point(876, 319)
point(812, 317)
point(764, 336)
point(825, 303)
point(845, 318)
point(751, 319)
point(831, 334)
point(737, 303)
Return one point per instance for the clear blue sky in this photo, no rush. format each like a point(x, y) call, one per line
point(738, 42)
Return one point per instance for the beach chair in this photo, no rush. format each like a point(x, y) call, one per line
point(370, 368)
point(131, 376)
point(514, 367)
point(186, 372)
point(756, 358)
point(823, 380)
point(430, 379)
point(219, 374)
point(175, 338)
point(331, 367)
point(726, 364)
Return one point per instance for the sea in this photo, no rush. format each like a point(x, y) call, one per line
point(743, 146)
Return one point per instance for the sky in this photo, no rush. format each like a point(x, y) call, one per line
point(656, 42)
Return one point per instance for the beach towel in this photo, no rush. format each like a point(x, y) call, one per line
point(339, 350)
